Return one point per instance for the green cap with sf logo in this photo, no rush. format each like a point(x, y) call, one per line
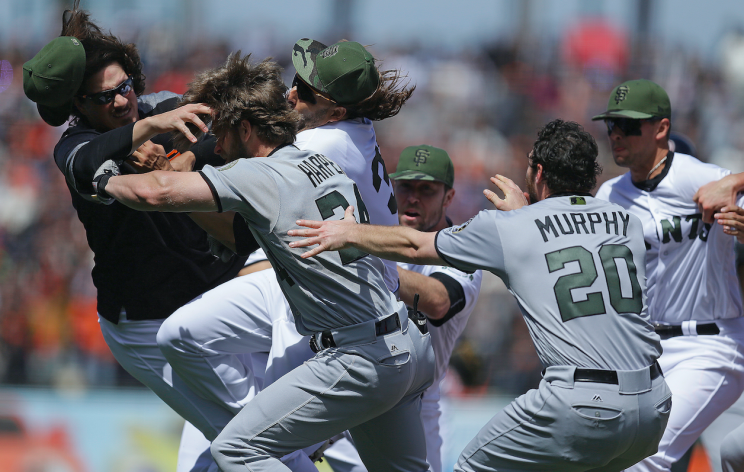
point(639, 100)
point(425, 163)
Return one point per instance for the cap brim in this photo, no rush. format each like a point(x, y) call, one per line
point(413, 175)
point(55, 116)
point(635, 115)
point(304, 53)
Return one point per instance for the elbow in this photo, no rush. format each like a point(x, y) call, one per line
point(155, 192)
point(439, 308)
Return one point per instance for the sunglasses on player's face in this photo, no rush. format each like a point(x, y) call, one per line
point(305, 92)
point(108, 96)
point(629, 126)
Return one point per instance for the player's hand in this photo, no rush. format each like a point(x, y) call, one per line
point(732, 219)
point(178, 119)
point(328, 235)
point(149, 156)
point(713, 196)
point(513, 199)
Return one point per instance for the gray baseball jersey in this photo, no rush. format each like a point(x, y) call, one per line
point(576, 267)
point(334, 289)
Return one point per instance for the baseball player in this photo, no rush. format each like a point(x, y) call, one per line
point(693, 292)
point(206, 340)
point(360, 332)
point(146, 264)
point(423, 185)
point(575, 264)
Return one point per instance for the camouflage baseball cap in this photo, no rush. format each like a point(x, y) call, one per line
point(345, 71)
point(637, 99)
point(425, 163)
point(52, 78)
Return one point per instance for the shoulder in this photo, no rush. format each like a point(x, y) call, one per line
point(688, 169)
point(621, 181)
point(73, 137)
point(156, 103)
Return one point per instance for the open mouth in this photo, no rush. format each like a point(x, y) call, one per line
point(411, 214)
point(122, 113)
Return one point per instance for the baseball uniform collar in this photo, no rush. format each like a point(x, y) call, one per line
point(651, 184)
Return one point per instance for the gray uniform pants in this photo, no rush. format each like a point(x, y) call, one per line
point(574, 426)
point(370, 385)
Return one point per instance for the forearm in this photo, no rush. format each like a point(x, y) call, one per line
point(395, 243)
point(434, 300)
point(142, 131)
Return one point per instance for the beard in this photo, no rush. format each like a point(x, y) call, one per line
point(239, 150)
point(313, 119)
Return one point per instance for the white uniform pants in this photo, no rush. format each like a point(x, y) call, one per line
point(229, 343)
point(706, 376)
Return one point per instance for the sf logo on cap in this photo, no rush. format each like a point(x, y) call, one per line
point(621, 93)
point(420, 157)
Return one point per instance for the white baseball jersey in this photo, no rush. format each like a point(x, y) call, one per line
point(352, 144)
point(690, 265)
point(444, 335)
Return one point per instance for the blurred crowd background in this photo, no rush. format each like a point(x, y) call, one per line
point(482, 100)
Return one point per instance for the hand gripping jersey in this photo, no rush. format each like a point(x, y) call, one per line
point(352, 145)
point(334, 289)
point(576, 267)
point(690, 265)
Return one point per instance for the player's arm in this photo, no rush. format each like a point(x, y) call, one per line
point(434, 298)
point(713, 196)
point(395, 243)
point(161, 190)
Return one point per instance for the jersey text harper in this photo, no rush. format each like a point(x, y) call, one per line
point(586, 222)
point(318, 168)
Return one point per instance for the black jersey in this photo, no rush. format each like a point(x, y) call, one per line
point(146, 263)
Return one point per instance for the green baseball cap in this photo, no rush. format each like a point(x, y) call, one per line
point(344, 71)
point(52, 78)
point(637, 99)
point(425, 163)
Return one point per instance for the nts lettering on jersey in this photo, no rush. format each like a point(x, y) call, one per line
point(318, 168)
point(673, 230)
point(583, 223)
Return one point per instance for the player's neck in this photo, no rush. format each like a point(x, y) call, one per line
point(650, 168)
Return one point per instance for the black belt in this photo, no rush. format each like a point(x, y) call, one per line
point(666, 331)
point(608, 376)
point(384, 326)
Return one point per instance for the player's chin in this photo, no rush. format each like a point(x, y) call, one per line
point(410, 221)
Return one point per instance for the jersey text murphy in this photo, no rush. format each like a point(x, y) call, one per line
point(574, 223)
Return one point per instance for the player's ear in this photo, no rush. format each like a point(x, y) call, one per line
point(663, 132)
point(338, 114)
point(244, 130)
point(80, 105)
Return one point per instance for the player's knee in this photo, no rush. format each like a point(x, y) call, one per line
point(169, 338)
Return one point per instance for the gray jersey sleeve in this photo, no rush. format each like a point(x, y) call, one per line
point(473, 245)
point(255, 200)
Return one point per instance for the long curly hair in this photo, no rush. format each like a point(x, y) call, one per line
point(101, 49)
point(568, 155)
point(239, 90)
point(387, 101)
